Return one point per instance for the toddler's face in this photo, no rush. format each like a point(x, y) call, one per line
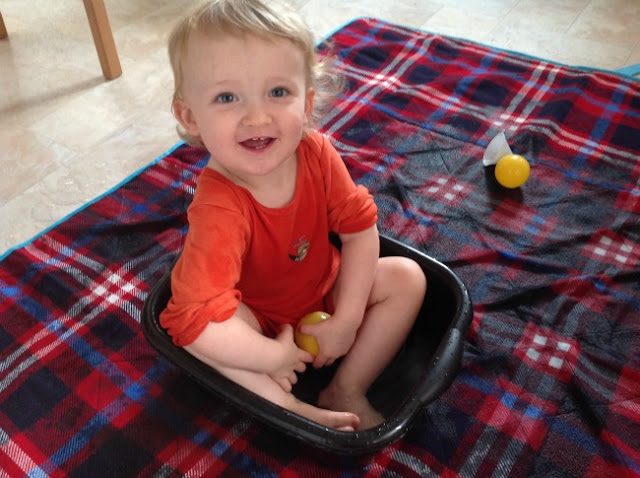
point(248, 99)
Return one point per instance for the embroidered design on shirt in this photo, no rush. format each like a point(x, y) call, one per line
point(299, 249)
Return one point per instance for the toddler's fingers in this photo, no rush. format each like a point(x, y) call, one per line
point(286, 331)
point(308, 329)
point(320, 360)
point(285, 384)
point(305, 356)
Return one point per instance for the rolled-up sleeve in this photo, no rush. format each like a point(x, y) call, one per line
point(356, 212)
point(351, 207)
point(204, 279)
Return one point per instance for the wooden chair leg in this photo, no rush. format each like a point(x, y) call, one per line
point(3, 29)
point(103, 38)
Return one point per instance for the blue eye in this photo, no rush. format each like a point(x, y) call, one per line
point(279, 92)
point(225, 98)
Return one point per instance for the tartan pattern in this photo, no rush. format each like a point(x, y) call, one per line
point(549, 384)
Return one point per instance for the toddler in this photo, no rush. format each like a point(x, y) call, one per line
point(257, 255)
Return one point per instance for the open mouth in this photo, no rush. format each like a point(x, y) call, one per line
point(257, 143)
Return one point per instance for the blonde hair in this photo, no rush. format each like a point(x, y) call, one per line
point(256, 18)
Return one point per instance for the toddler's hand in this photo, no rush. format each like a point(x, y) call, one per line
point(293, 360)
point(335, 337)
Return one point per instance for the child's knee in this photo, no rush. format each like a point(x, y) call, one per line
point(407, 274)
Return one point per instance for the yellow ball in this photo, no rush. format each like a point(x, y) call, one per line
point(309, 342)
point(512, 171)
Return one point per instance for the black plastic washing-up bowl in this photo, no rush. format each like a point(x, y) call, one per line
point(421, 372)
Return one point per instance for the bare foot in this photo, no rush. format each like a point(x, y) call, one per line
point(354, 402)
point(266, 387)
point(343, 421)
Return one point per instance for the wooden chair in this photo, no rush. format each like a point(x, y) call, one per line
point(102, 37)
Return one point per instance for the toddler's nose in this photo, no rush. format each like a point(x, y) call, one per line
point(256, 114)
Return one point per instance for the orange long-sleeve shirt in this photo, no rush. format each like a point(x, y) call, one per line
point(277, 261)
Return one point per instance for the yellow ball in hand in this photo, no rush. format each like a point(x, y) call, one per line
point(309, 342)
point(512, 171)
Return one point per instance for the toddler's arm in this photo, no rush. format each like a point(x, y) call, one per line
point(359, 258)
point(233, 343)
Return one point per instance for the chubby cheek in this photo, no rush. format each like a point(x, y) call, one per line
point(211, 125)
point(220, 139)
point(295, 118)
point(217, 143)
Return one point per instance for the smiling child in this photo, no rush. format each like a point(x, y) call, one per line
point(257, 256)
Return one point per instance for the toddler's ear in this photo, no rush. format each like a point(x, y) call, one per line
point(308, 103)
point(184, 115)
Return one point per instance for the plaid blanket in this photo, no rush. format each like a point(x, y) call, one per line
point(550, 378)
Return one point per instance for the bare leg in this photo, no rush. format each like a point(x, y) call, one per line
point(265, 386)
point(396, 297)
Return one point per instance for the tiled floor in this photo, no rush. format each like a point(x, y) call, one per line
point(66, 135)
